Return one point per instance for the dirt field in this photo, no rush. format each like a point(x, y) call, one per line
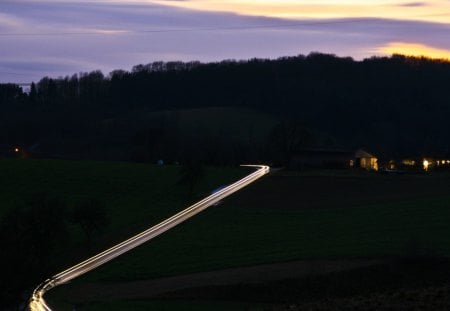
point(405, 284)
point(84, 292)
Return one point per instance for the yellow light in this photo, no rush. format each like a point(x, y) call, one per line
point(311, 9)
point(426, 164)
point(409, 162)
point(16, 150)
point(413, 49)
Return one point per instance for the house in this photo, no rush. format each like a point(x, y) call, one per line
point(366, 160)
point(20, 150)
point(333, 159)
point(419, 162)
point(423, 163)
point(11, 151)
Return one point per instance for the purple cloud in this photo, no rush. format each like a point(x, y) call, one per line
point(57, 39)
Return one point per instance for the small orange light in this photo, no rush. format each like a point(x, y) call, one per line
point(16, 149)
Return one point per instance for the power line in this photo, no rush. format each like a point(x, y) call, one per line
point(200, 29)
point(18, 74)
point(15, 73)
point(16, 83)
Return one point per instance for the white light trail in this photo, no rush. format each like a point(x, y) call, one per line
point(37, 302)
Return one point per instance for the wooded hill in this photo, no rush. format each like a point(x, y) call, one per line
point(258, 109)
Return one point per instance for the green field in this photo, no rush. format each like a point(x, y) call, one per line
point(284, 217)
point(135, 195)
point(234, 237)
point(238, 233)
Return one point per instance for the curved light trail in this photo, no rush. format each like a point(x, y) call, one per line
point(37, 302)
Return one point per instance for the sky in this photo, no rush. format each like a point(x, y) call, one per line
point(61, 37)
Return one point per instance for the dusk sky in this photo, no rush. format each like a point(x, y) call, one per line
point(62, 37)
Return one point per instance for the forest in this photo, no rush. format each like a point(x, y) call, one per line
point(392, 106)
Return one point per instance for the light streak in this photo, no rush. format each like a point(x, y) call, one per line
point(37, 302)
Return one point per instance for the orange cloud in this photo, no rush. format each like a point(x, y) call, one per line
point(432, 10)
point(413, 49)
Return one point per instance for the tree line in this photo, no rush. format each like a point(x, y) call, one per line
point(394, 105)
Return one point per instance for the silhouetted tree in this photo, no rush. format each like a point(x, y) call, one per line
point(288, 137)
point(92, 218)
point(31, 236)
point(33, 93)
point(10, 95)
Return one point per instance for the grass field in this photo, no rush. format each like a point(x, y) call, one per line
point(135, 195)
point(296, 217)
point(220, 239)
point(285, 217)
point(277, 226)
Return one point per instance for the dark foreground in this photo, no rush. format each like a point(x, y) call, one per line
point(399, 224)
point(418, 283)
point(328, 240)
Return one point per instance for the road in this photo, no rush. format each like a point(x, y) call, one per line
point(37, 302)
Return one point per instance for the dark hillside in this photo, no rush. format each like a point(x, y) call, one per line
point(391, 105)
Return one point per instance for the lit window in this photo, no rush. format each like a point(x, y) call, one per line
point(392, 165)
point(409, 162)
point(426, 164)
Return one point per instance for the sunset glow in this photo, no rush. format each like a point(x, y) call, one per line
point(431, 11)
point(413, 49)
point(110, 34)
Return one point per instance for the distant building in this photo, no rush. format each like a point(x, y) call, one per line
point(20, 150)
point(366, 160)
point(334, 159)
point(11, 151)
point(421, 163)
point(17, 151)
